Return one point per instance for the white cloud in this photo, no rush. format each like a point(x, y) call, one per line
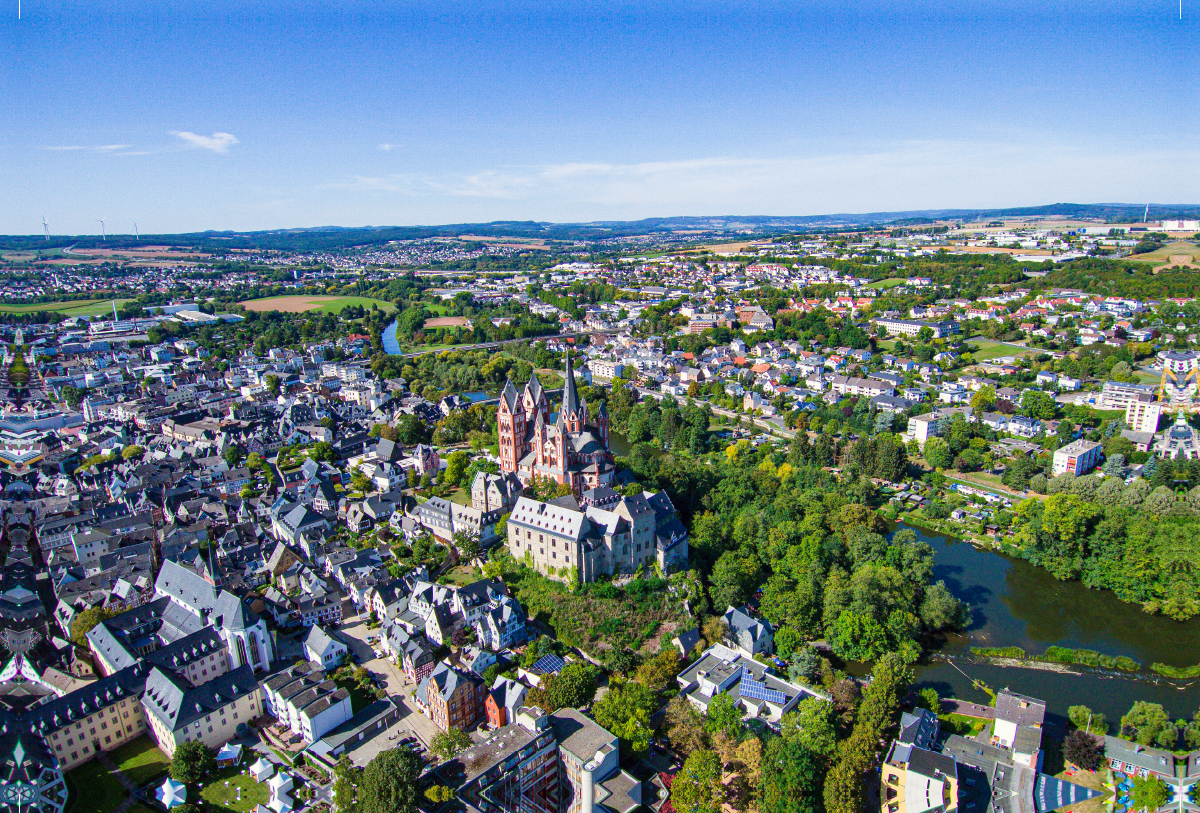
point(387, 147)
point(905, 175)
point(217, 142)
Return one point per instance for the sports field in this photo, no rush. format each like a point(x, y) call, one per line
point(78, 307)
point(305, 303)
point(890, 282)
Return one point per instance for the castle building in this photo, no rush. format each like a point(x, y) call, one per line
point(564, 541)
point(573, 450)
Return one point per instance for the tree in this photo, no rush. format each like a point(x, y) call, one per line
point(192, 762)
point(937, 453)
point(814, 725)
point(696, 788)
point(322, 450)
point(940, 610)
point(1149, 794)
point(857, 637)
point(790, 780)
point(572, 687)
point(1040, 405)
point(928, 698)
point(456, 466)
point(438, 794)
point(360, 482)
point(625, 711)
point(272, 381)
point(130, 452)
point(659, 672)
point(389, 783)
point(734, 577)
point(1084, 750)
point(343, 786)
point(446, 744)
point(85, 621)
point(806, 665)
point(1148, 724)
point(984, 399)
point(723, 716)
point(685, 726)
point(1085, 719)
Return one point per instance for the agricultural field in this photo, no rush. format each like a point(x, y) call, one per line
point(315, 302)
point(1179, 252)
point(78, 307)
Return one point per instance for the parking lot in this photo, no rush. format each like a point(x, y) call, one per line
point(412, 722)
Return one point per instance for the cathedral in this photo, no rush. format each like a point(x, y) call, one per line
point(572, 449)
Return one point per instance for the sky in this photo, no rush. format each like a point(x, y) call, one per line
point(184, 116)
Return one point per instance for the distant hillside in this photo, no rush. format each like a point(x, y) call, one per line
point(335, 238)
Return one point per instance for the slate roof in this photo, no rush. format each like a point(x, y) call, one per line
point(176, 704)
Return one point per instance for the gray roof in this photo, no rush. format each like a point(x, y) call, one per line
point(577, 734)
point(1019, 709)
point(176, 704)
point(318, 640)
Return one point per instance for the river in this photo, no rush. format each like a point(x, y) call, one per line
point(390, 345)
point(1017, 604)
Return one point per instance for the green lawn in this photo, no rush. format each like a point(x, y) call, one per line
point(961, 724)
point(890, 282)
point(79, 307)
point(460, 576)
point(461, 496)
point(224, 797)
point(989, 350)
point(141, 760)
point(93, 789)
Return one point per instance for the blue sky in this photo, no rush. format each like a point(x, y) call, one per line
point(186, 115)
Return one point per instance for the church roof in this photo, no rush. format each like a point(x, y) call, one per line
point(570, 404)
point(534, 387)
point(509, 395)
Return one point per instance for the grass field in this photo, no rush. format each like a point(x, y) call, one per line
point(1174, 249)
point(890, 282)
point(141, 760)
point(93, 789)
point(962, 725)
point(79, 307)
point(460, 576)
point(989, 350)
point(315, 302)
point(225, 797)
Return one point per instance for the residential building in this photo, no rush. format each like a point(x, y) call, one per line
point(1078, 457)
point(452, 698)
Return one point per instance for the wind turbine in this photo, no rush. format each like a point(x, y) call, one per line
point(46, 226)
point(103, 236)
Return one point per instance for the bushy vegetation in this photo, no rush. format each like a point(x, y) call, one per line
point(1118, 540)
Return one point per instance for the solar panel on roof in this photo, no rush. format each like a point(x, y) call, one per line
point(757, 690)
point(548, 664)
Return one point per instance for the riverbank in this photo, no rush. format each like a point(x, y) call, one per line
point(1018, 605)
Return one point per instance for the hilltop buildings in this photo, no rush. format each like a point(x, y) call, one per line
point(612, 535)
point(573, 451)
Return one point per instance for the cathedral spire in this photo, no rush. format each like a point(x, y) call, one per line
point(570, 403)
